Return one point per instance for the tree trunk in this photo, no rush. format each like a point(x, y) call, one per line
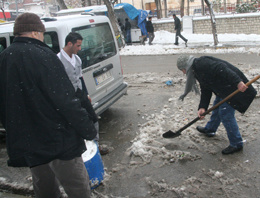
point(188, 7)
point(182, 8)
point(62, 4)
point(114, 23)
point(213, 22)
point(3, 13)
point(225, 6)
point(83, 3)
point(159, 8)
point(202, 8)
point(165, 9)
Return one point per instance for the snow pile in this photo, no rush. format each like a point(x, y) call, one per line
point(149, 144)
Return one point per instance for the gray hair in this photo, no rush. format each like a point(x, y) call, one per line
point(182, 61)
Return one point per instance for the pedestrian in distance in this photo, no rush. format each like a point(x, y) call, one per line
point(221, 78)
point(177, 24)
point(128, 31)
point(121, 25)
point(44, 121)
point(150, 30)
point(73, 66)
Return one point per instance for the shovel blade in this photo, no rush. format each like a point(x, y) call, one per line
point(170, 134)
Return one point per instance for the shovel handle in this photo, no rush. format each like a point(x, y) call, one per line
point(229, 96)
point(217, 105)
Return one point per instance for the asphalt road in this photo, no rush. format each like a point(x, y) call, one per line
point(167, 63)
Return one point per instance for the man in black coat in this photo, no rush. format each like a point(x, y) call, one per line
point(177, 24)
point(128, 31)
point(150, 30)
point(44, 121)
point(221, 78)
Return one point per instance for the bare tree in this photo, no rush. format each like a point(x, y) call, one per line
point(165, 8)
point(213, 22)
point(114, 22)
point(112, 16)
point(83, 3)
point(202, 8)
point(3, 13)
point(159, 8)
point(188, 7)
point(182, 8)
point(62, 4)
point(225, 6)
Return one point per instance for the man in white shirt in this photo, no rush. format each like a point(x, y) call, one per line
point(73, 66)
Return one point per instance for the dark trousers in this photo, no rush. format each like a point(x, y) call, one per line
point(71, 174)
point(177, 35)
point(128, 36)
point(151, 37)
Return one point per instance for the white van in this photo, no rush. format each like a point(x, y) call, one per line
point(101, 66)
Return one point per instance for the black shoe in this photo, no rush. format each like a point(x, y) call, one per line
point(206, 131)
point(176, 43)
point(186, 43)
point(231, 149)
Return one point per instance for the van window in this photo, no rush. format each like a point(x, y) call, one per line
point(2, 44)
point(98, 43)
point(51, 39)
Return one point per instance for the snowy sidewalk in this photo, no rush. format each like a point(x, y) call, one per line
point(163, 44)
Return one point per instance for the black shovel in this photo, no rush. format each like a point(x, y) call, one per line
point(170, 134)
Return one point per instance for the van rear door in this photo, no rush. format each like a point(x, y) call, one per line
point(101, 65)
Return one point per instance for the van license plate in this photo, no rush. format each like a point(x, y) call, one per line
point(101, 78)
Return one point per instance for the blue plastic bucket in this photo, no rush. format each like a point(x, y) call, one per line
point(93, 163)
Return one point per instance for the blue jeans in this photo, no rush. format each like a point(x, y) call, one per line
point(128, 36)
point(225, 114)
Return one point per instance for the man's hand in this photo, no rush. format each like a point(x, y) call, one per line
point(200, 112)
point(89, 98)
point(242, 87)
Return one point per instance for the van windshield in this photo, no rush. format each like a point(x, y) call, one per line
point(98, 43)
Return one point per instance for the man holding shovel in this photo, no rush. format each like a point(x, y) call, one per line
point(221, 78)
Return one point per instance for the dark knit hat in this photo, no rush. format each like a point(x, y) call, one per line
point(28, 22)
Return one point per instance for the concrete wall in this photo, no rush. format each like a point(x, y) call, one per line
point(167, 26)
point(237, 24)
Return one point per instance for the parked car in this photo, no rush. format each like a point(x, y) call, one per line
point(171, 12)
point(199, 11)
point(101, 66)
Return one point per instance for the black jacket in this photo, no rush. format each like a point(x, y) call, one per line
point(149, 27)
point(127, 25)
point(38, 108)
point(221, 78)
point(177, 23)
